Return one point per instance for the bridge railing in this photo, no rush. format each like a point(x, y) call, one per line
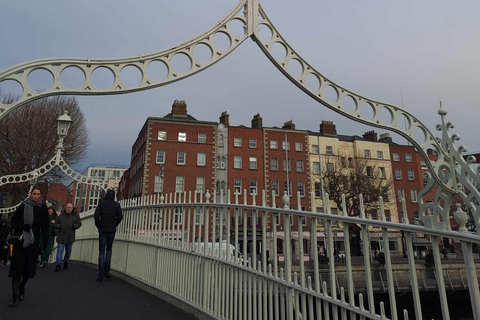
point(249, 261)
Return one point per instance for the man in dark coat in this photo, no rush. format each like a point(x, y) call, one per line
point(66, 224)
point(108, 215)
point(4, 230)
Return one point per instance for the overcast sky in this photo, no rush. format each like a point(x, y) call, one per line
point(429, 49)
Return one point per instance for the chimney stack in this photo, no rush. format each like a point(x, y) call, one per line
point(385, 137)
point(370, 136)
point(289, 125)
point(328, 128)
point(257, 121)
point(179, 108)
point(224, 118)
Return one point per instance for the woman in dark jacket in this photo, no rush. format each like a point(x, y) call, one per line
point(30, 222)
point(47, 250)
point(4, 230)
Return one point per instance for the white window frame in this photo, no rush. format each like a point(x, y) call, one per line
point(299, 166)
point(315, 148)
point(237, 185)
point(287, 165)
point(253, 186)
point(199, 159)
point(395, 156)
point(411, 174)
point(316, 168)
point(158, 184)
point(274, 144)
point(237, 162)
point(289, 190)
point(179, 183)
point(301, 188)
point(162, 135)
point(401, 194)
point(237, 142)
point(413, 195)
point(398, 174)
point(368, 154)
point(380, 154)
point(182, 136)
point(252, 163)
point(202, 138)
point(179, 153)
point(276, 187)
point(252, 143)
point(382, 173)
point(160, 157)
point(287, 144)
point(298, 146)
point(200, 184)
point(274, 164)
point(329, 150)
point(408, 157)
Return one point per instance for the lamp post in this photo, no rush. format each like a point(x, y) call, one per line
point(63, 124)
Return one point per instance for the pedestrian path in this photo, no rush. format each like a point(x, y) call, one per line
point(74, 294)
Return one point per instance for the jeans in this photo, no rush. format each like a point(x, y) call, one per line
point(68, 251)
point(104, 258)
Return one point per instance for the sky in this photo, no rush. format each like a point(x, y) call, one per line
point(425, 51)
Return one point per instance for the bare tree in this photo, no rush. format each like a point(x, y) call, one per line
point(28, 137)
point(353, 179)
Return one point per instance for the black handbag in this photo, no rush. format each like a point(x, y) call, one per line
point(14, 239)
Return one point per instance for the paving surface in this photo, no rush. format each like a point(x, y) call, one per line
point(73, 294)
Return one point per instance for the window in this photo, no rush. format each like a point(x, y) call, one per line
point(329, 150)
point(350, 162)
point(318, 190)
point(367, 154)
point(316, 168)
point(252, 143)
point(223, 163)
point(299, 165)
point(408, 157)
point(298, 146)
point(301, 188)
point(182, 136)
point(200, 159)
point(392, 245)
point(160, 156)
point(252, 163)
point(287, 188)
point(274, 164)
point(369, 171)
point(179, 183)
point(303, 219)
point(285, 145)
point(273, 144)
point(253, 186)
point(202, 138)
point(330, 167)
point(388, 215)
point(199, 215)
point(237, 141)
point(398, 174)
point(385, 194)
point(343, 162)
point(237, 185)
point(277, 221)
point(200, 184)
point(315, 148)
point(382, 173)
point(380, 154)
point(181, 158)
point(237, 162)
point(220, 140)
point(396, 157)
point(413, 195)
point(162, 135)
point(411, 174)
point(158, 185)
point(423, 165)
point(401, 195)
point(425, 179)
point(287, 164)
point(374, 215)
point(275, 187)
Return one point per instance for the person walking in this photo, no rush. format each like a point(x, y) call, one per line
point(52, 215)
point(4, 231)
point(444, 251)
point(66, 224)
point(108, 215)
point(29, 224)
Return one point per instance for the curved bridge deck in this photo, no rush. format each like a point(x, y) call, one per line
point(73, 294)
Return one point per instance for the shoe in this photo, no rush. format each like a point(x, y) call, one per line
point(99, 279)
point(107, 275)
point(65, 265)
point(13, 303)
point(57, 268)
point(21, 293)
